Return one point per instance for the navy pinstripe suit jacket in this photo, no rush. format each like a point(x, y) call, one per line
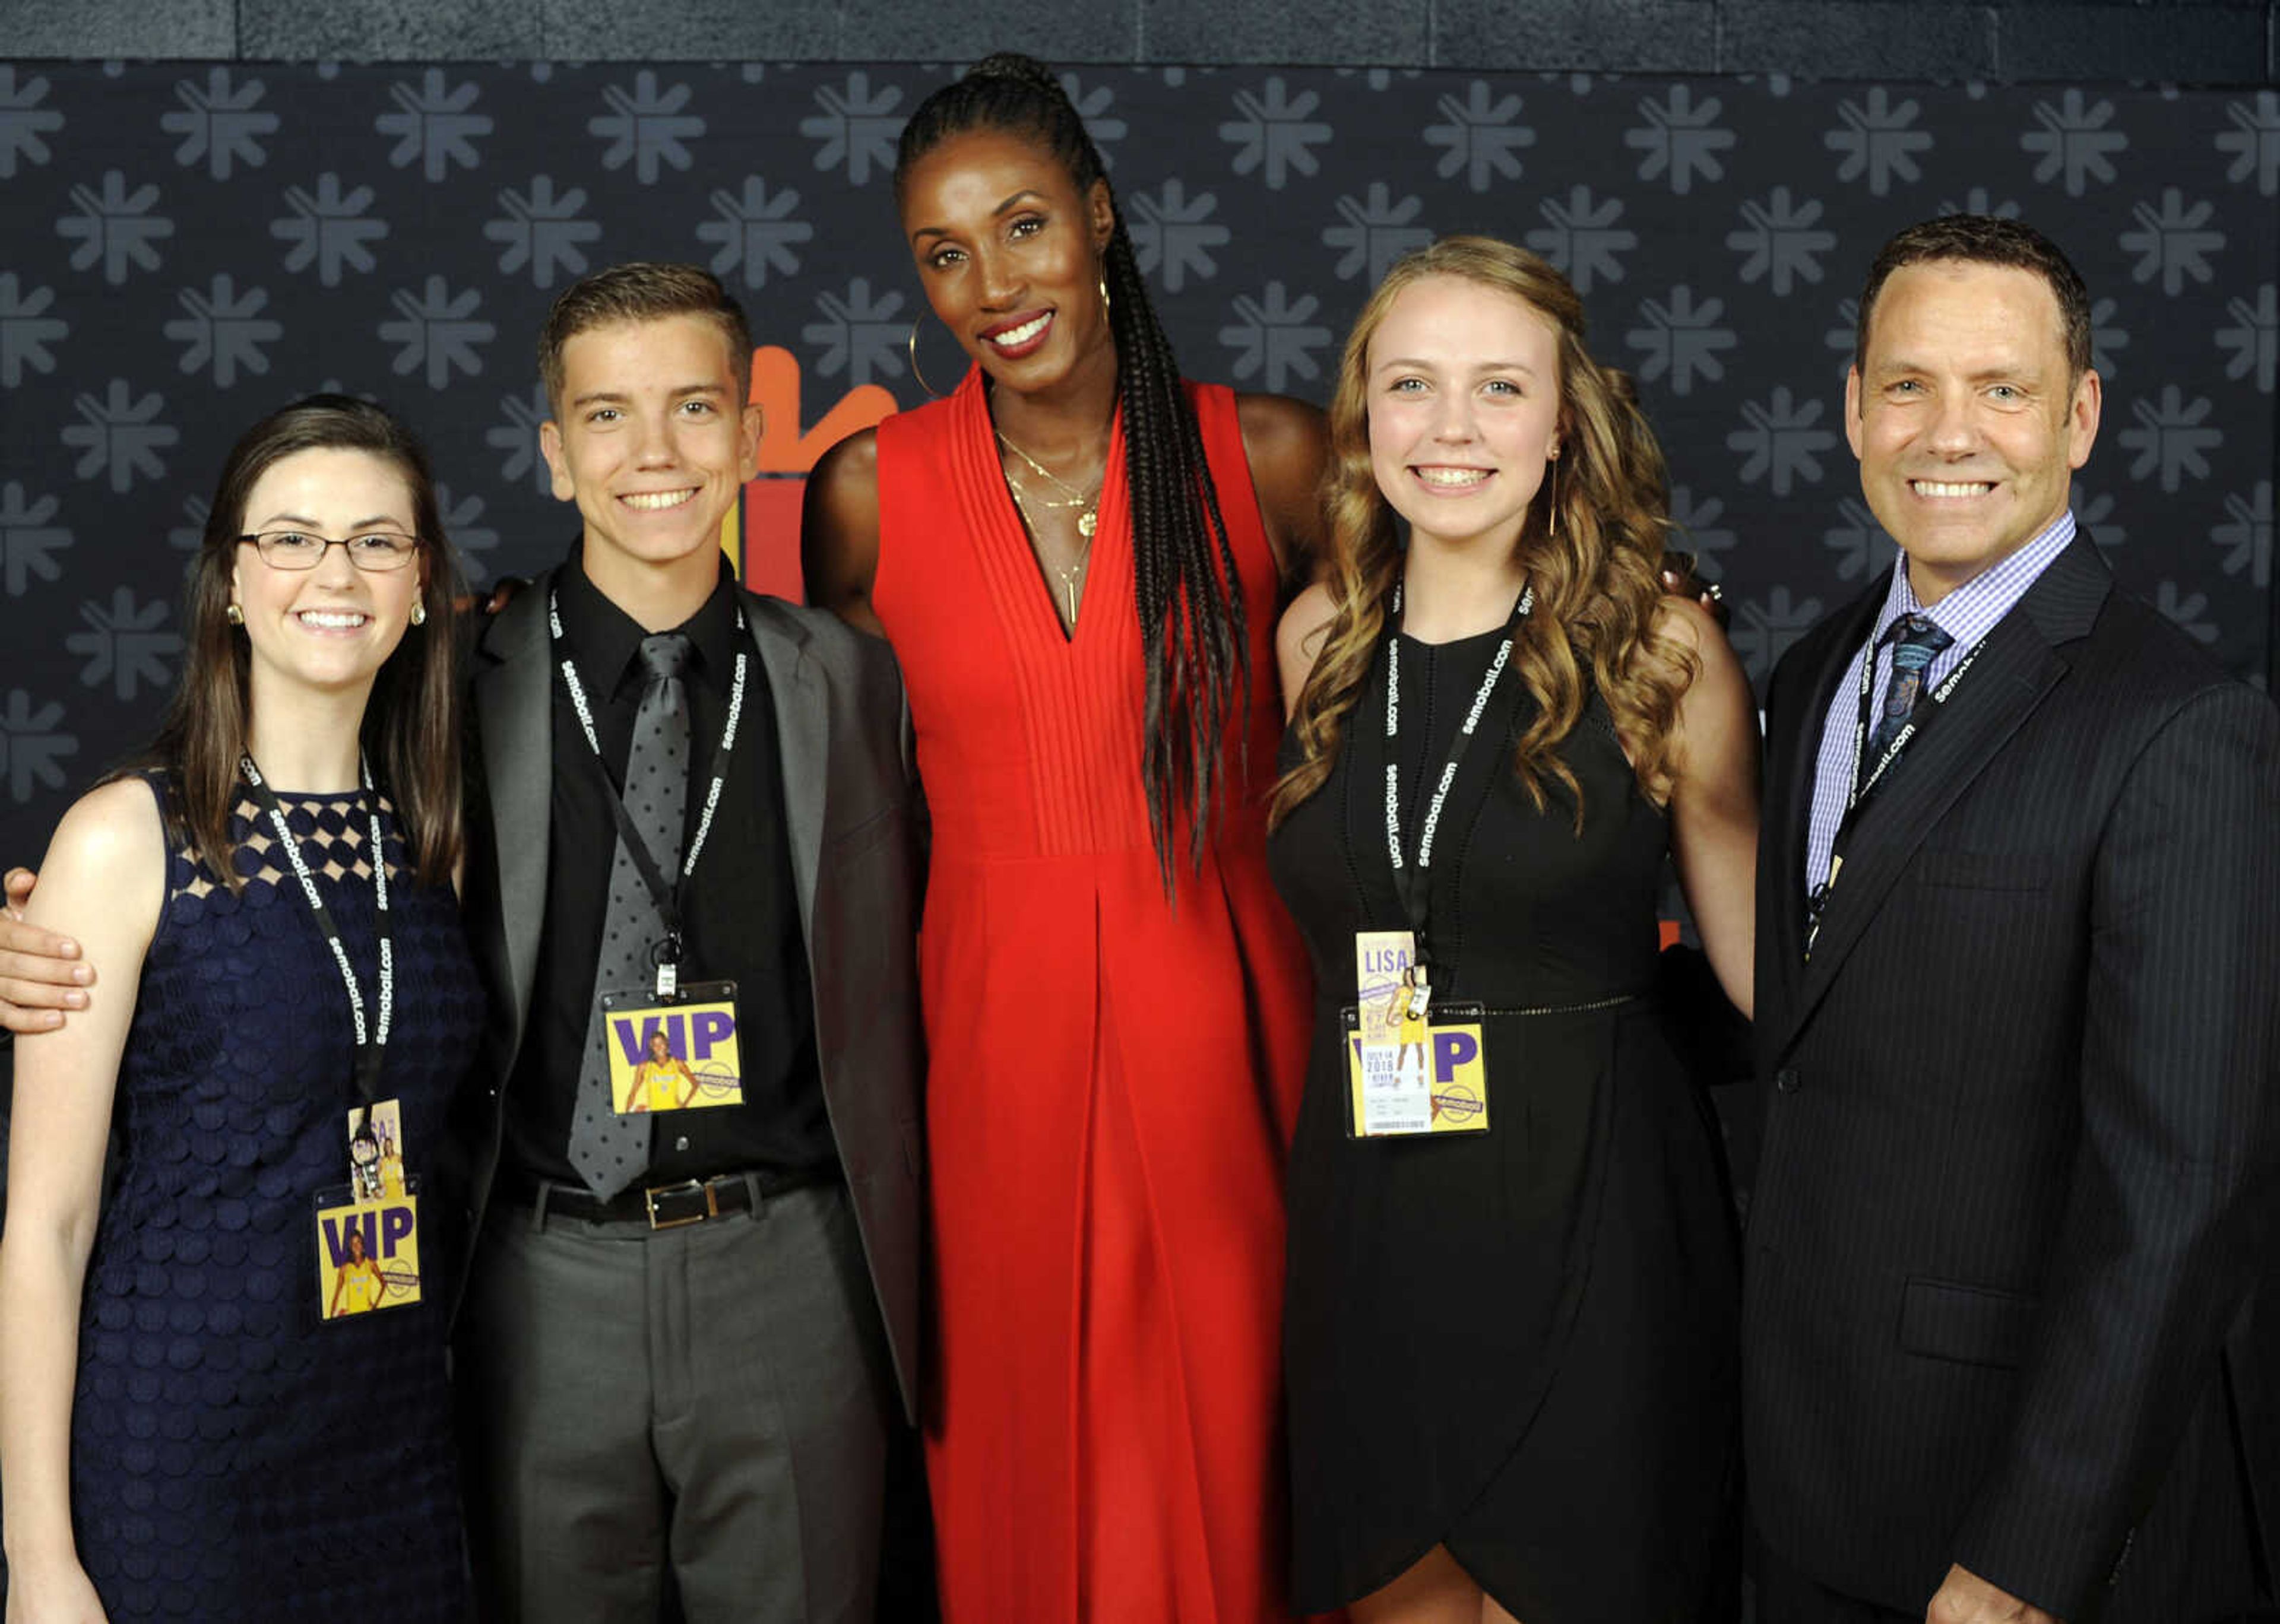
point(2007, 1230)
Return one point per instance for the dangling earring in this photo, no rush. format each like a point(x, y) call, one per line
point(419, 614)
point(911, 344)
point(233, 615)
point(1552, 457)
point(1106, 313)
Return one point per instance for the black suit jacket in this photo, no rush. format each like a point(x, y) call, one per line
point(851, 810)
point(2004, 1239)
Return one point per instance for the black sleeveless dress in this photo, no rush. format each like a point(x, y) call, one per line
point(1520, 1345)
point(234, 1455)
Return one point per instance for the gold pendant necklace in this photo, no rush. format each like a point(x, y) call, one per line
point(1070, 574)
point(1087, 521)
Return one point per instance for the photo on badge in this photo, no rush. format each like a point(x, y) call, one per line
point(368, 1252)
point(672, 1056)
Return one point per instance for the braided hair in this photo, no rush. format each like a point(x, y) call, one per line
point(1184, 582)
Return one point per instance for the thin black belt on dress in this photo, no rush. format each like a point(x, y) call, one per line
point(668, 1206)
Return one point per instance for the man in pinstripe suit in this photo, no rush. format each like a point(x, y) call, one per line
point(2018, 963)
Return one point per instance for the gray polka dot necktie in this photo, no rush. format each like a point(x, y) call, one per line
point(611, 1151)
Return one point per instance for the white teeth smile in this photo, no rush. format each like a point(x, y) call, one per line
point(332, 620)
point(1452, 478)
point(656, 501)
point(1934, 487)
point(1013, 338)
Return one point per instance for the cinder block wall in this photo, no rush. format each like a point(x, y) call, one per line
point(2194, 42)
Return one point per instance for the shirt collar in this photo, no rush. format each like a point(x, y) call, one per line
point(606, 641)
point(1971, 611)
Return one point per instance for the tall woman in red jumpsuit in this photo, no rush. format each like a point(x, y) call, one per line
point(1075, 556)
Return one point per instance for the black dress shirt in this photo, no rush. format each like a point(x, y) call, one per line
point(742, 912)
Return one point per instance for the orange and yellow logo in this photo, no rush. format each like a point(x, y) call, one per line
point(761, 533)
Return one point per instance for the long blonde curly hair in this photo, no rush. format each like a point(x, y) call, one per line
point(1597, 582)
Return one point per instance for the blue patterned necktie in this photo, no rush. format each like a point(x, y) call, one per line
point(611, 1151)
point(1916, 643)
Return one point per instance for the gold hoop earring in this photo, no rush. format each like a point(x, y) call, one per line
point(419, 614)
point(233, 615)
point(1552, 533)
point(911, 345)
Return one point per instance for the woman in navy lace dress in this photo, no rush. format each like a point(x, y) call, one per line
point(187, 1430)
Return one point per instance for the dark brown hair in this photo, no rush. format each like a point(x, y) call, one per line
point(412, 721)
point(643, 290)
point(1184, 577)
point(1985, 239)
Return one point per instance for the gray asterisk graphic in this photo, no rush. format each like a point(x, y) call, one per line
point(1274, 337)
point(2245, 535)
point(32, 748)
point(27, 329)
point(1681, 340)
point(1979, 200)
point(2075, 141)
point(189, 535)
point(1857, 539)
point(646, 126)
point(431, 124)
point(114, 227)
point(1482, 134)
point(861, 334)
point(1879, 141)
point(23, 123)
point(2170, 438)
point(755, 232)
point(1845, 336)
point(1092, 106)
point(1699, 531)
point(437, 329)
point(1375, 231)
point(2105, 338)
point(123, 645)
point(221, 124)
point(1780, 439)
point(327, 228)
point(543, 231)
point(2093, 516)
point(2187, 610)
point(1681, 140)
point(120, 437)
point(516, 437)
point(1276, 131)
point(1763, 632)
point(2173, 241)
point(2254, 343)
point(1175, 235)
point(224, 330)
point(1582, 238)
point(28, 542)
point(1780, 239)
point(857, 128)
point(2254, 140)
point(459, 523)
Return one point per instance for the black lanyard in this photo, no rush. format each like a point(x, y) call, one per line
point(669, 899)
point(371, 1037)
point(1860, 788)
point(1411, 878)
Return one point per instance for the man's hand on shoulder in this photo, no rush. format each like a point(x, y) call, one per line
point(41, 972)
point(1967, 1599)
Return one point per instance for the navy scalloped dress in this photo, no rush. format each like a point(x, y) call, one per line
point(234, 1454)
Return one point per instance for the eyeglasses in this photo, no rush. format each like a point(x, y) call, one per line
point(372, 551)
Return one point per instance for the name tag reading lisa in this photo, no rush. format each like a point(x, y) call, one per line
point(672, 1056)
point(1435, 1083)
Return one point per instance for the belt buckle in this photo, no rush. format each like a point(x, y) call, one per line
point(687, 1187)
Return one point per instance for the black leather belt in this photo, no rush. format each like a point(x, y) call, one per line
point(669, 1206)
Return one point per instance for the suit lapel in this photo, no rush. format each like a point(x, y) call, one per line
point(513, 705)
point(803, 738)
point(2021, 664)
point(1789, 793)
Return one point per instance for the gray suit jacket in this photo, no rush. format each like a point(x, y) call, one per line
point(851, 810)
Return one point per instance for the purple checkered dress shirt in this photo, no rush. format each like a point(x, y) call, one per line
point(1966, 614)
